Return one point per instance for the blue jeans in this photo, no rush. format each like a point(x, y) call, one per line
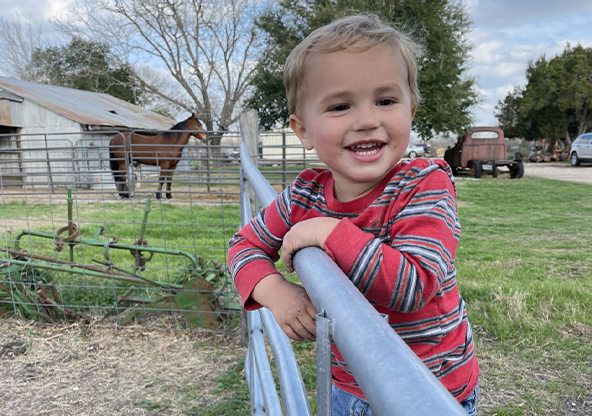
point(470, 403)
point(346, 404)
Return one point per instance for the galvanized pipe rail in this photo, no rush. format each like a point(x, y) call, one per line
point(394, 380)
point(264, 398)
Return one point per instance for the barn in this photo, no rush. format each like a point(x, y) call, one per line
point(54, 136)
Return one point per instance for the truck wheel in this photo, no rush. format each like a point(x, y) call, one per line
point(517, 171)
point(412, 155)
point(574, 159)
point(476, 168)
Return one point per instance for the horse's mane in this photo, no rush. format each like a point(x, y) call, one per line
point(179, 126)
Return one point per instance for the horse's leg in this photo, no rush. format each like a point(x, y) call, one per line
point(161, 179)
point(122, 180)
point(115, 165)
point(124, 188)
point(169, 195)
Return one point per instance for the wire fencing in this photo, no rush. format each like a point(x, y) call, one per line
point(72, 248)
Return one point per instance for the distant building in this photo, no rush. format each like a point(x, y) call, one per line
point(59, 136)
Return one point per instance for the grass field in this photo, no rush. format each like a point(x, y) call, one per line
point(525, 270)
point(201, 231)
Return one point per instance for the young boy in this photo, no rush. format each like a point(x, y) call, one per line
point(390, 225)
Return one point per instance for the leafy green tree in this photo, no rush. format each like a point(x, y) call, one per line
point(448, 93)
point(285, 27)
point(540, 107)
point(556, 101)
point(508, 114)
point(573, 77)
point(83, 65)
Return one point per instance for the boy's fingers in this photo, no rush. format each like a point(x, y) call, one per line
point(287, 258)
point(299, 327)
point(302, 331)
point(291, 334)
point(288, 262)
point(309, 326)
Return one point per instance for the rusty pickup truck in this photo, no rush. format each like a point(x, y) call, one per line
point(483, 150)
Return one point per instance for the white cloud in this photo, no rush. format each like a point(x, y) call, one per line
point(487, 52)
point(55, 9)
point(508, 34)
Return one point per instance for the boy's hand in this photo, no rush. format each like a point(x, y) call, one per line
point(292, 308)
point(312, 232)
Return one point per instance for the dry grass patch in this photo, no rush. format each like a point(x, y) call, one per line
point(80, 370)
point(513, 385)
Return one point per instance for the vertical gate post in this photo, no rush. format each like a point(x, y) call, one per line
point(249, 129)
point(324, 379)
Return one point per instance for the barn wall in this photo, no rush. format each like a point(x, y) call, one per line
point(56, 151)
point(283, 145)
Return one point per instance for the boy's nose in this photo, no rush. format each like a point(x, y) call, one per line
point(366, 118)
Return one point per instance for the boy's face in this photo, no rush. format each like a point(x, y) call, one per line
point(357, 114)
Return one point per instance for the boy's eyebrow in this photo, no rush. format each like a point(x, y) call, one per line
point(393, 88)
point(335, 96)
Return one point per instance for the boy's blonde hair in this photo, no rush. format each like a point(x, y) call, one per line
point(354, 33)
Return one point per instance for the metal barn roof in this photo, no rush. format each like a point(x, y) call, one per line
point(94, 110)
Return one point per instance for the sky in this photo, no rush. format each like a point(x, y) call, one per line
point(506, 35)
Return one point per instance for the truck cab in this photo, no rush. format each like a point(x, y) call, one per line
point(481, 150)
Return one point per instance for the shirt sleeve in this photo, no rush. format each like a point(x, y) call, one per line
point(404, 269)
point(253, 251)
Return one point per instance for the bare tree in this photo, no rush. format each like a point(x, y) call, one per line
point(206, 46)
point(18, 40)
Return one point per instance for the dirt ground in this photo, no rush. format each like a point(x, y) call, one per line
point(98, 371)
point(562, 171)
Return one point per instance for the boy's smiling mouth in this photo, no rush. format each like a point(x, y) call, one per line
point(366, 149)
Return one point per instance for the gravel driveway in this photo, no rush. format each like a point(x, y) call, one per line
point(560, 171)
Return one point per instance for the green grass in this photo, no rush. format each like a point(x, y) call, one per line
point(525, 270)
point(199, 230)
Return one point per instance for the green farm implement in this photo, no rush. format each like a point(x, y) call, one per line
point(28, 286)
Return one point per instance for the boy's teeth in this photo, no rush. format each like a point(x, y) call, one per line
point(366, 148)
point(367, 152)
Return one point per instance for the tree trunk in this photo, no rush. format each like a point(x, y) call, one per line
point(567, 138)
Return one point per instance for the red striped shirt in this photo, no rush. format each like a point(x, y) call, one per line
point(402, 240)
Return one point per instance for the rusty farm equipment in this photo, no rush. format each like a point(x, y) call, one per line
point(200, 292)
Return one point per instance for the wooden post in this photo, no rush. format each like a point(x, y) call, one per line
point(249, 129)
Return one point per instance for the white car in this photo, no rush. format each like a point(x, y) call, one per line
point(581, 150)
point(414, 150)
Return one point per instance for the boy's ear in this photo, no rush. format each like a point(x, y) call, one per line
point(413, 108)
point(298, 128)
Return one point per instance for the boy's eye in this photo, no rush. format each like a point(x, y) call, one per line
point(385, 102)
point(340, 107)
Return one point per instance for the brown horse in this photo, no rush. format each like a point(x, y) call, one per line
point(162, 149)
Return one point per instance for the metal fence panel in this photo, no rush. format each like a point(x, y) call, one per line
point(393, 378)
point(71, 248)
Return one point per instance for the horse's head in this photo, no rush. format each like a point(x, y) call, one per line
point(193, 123)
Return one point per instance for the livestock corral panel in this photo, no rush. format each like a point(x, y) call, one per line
point(73, 249)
